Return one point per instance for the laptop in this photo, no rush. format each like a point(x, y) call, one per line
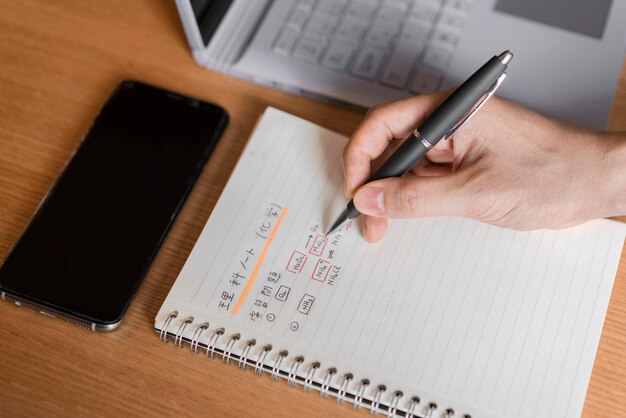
point(568, 54)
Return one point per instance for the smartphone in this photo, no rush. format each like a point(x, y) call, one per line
point(94, 236)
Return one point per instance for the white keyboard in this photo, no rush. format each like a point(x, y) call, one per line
point(403, 44)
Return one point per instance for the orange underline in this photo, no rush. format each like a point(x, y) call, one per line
point(259, 264)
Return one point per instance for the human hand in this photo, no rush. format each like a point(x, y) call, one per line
point(507, 166)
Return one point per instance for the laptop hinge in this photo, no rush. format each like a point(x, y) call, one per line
point(234, 34)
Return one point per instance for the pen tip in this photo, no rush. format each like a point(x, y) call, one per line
point(505, 57)
point(341, 220)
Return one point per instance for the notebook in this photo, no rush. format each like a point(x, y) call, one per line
point(445, 317)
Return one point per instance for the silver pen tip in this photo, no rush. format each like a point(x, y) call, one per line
point(340, 222)
point(505, 57)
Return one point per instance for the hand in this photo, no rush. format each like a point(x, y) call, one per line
point(507, 166)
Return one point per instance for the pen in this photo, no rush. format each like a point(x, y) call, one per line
point(445, 120)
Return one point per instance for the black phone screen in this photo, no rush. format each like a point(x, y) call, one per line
point(91, 242)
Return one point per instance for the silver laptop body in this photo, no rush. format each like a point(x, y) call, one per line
point(568, 53)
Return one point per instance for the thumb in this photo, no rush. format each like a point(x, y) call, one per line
point(412, 197)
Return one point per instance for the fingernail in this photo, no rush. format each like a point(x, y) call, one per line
point(369, 201)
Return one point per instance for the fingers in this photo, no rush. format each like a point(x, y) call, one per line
point(374, 228)
point(381, 125)
point(411, 197)
point(442, 153)
point(426, 168)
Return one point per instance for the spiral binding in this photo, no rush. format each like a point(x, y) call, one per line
point(258, 367)
point(376, 401)
point(210, 348)
point(393, 405)
point(358, 398)
point(178, 339)
point(376, 405)
point(431, 409)
point(243, 358)
point(229, 348)
point(326, 381)
point(196, 336)
point(341, 394)
point(308, 381)
point(410, 412)
point(276, 369)
point(293, 371)
point(163, 335)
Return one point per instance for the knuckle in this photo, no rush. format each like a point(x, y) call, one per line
point(347, 153)
point(494, 205)
point(351, 160)
point(374, 110)
point(376, 114)
point(408, 201)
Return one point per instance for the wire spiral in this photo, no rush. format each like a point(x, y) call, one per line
point(296, 370)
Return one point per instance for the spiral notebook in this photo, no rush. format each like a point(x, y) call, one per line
point(445, 317)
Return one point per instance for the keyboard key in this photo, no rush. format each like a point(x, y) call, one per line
point(284, 42)
point(415, 32)
point(434, 4)
point(461, 6)
point(367, 62)
point(398, 4)
point(437, 57)
point(351, 29)
point(452, 20)
point(331, 7)
point(306, 5)
point(378, 40)
point(399, 66)
point(425, 12)
point(361, 10)
point(337, 55)
point(425, 81)
point(391, 15)
point(297, 19)
point(308, 49)
point(445, 37)
point(381, 35)
point(320, 26)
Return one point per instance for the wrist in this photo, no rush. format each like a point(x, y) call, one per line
point(614, 170)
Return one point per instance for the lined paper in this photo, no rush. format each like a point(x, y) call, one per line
point(485, 320)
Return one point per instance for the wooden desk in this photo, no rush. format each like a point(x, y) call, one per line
point(58, 62)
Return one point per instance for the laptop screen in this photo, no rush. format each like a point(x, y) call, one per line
point(209, 14)
point(583, 16)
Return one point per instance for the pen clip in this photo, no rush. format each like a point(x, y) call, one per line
point(477, 107)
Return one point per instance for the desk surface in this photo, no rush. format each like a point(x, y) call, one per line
point(58, 62)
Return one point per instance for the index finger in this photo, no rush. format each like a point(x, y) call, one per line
point(381, 125)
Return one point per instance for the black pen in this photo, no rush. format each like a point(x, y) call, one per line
point(457, 109)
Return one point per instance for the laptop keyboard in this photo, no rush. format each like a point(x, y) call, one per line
point(402, 44)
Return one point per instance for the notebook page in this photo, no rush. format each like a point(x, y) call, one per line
point(487, 321)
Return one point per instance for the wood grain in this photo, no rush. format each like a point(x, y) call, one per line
point(58, 63)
